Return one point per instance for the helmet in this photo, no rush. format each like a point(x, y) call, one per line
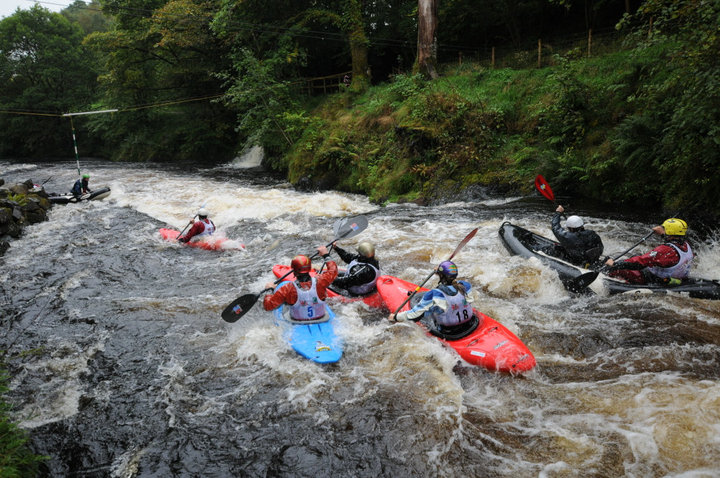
point(574, 222)
point(366, 249)
point(202, 212)
point(448, 269)
point(86, 176)
point(675, 227)
point(301, 264)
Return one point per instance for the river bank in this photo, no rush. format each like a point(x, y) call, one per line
point(21, 204)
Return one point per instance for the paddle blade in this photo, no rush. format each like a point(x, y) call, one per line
point(544, 187)
point(463, 242)
point(581, 282)
point(349, 227)
point(239, 307)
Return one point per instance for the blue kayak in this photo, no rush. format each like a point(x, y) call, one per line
point(314, 340)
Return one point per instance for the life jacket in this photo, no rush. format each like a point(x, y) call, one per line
point(680, 270)
point(362, 289)
point(458, 310)
point(78, 187)
point(308, 305)
point(208, 228)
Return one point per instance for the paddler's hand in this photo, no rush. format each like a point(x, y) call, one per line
point(659, 230)
point(396, 317)
point(322, 250)
point(270, 285)
point(560, 209)
point(609, 262)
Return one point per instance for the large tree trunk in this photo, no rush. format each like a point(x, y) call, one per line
point(359, 57)
point(358, 46)
point(427, 41)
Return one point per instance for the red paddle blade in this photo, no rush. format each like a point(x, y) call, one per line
point(544, 187)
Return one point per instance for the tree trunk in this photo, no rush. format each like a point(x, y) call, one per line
point(427, 41)
point(358, 46)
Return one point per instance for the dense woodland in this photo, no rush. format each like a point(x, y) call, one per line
point(613, 100)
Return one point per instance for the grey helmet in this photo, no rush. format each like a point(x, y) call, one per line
point(366, 249)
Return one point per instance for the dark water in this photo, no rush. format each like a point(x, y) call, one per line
point(122, 366)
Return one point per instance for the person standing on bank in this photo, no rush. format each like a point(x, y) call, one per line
point(668, 263)
point(578, 245)
point(362, 272)
point(200, 229)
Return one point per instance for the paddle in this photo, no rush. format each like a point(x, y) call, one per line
point(189, 222)
point(544, 188)
point(417, 289)
point(584, 280)
point(345, 229)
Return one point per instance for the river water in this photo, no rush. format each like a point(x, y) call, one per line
point(121, 365)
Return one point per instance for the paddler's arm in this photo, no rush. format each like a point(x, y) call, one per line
point(427, 302)
point(284, 295)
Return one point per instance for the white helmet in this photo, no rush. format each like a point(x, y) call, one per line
point(574, 222)
point(202, 212)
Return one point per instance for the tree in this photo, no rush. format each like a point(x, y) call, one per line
point(348, 18)
point(427, 41)
point(44, 70)
point(161, 66)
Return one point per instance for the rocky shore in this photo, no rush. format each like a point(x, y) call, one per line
point(20, 205)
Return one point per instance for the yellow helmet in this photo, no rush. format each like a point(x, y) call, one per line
point(675, 227)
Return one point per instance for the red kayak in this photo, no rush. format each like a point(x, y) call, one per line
point(211, 243)
point(490, 345)
point(373, 299)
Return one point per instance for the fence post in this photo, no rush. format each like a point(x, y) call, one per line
point(589, 42)
point(492, 58)
point(539, 53)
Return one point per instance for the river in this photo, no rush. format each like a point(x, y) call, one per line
point(121, 366)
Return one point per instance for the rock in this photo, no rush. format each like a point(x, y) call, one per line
point(20, 204)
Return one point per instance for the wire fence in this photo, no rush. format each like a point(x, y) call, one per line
point(544, 52)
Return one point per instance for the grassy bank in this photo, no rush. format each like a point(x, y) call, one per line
point(582, 122)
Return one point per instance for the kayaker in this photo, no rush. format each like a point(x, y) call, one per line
point(362, 271)
point(446, 308)
point(668, 263)
point(81, 186)
point(306, 295)
point(578, 245)
point(201, 228)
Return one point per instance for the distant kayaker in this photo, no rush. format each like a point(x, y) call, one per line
point(578, 245)
point(306, 295)
point(447, 308)
point(81, 186)
point(668, 263)
point(362, 271)
point(200, 229)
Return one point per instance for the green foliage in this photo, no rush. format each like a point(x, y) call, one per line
point(16, 459)
point(20, 199)
point(44, 71)
point(160, 66)
point(670, 142)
